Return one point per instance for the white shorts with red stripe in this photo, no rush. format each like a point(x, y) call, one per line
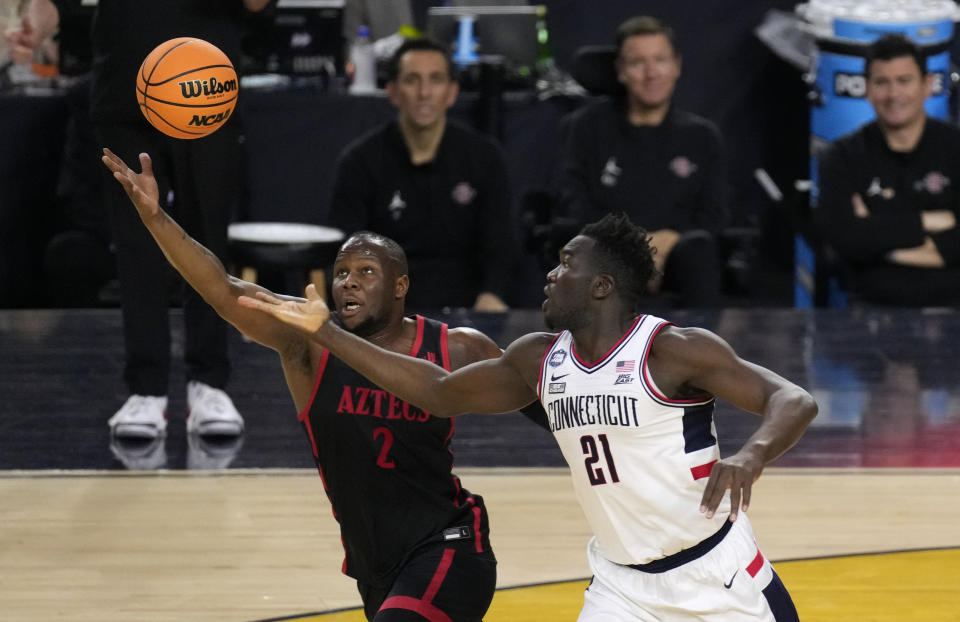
point(732, 581)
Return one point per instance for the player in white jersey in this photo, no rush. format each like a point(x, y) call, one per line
point(630, 401)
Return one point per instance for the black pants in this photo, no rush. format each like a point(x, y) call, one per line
point(448, 578)
point(203, 175)
point(693, 270)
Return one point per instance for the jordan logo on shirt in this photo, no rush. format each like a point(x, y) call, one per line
point(611, 172)
point(397, 205)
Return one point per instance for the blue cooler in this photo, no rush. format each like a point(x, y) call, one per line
point(843, 30)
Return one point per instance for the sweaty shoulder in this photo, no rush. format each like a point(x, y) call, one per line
point(468, 345)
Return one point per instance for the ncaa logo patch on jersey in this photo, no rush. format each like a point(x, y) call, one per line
point(557, 358)
point(557, 387)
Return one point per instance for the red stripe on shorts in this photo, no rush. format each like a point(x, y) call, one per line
point(756, 564)
point(424, 606)
point(703, 470)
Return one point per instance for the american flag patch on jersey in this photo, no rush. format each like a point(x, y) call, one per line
point(625, 367)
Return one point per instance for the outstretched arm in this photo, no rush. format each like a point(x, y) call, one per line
point(198, 265)
point(495, 385)
point(698, 361)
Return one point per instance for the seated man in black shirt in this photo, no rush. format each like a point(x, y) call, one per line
point(662, 166)
point(437, 188)
point(888, 192)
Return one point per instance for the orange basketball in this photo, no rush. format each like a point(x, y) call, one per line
point(187, 88)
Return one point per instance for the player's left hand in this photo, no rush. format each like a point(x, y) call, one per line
point(307, 315)
point(736, 473)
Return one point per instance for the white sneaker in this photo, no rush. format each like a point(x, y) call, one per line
point(141, 416)
point(211, 411)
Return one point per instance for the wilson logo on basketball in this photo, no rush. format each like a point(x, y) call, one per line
point(206, 120)
point(196, 88)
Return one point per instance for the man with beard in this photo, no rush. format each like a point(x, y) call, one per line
point(414, 539)
point(630, 401)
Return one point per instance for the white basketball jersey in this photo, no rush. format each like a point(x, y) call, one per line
point(639, 460)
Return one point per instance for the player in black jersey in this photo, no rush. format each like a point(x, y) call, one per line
point(415, 540)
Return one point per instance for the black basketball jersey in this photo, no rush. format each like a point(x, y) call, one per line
point(386, 465)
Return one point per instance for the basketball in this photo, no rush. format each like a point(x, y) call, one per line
point(187, 88)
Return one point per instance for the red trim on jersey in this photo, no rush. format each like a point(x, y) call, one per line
point(304, 415)
point(756, 564)
point(418, 340)
point(703, 470)
point(343, 567)
point(573, 347)
point(424, 606)
point(648, 381)
point(456, 494)
point(543, 361)
point(477, 540)
point(444, 352)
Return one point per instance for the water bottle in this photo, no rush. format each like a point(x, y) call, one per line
point(364, 63)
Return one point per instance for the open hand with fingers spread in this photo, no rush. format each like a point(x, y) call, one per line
point(140, 187)
point(307, 315)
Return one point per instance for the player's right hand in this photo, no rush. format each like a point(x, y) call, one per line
point(140, 187)
point(307, 315)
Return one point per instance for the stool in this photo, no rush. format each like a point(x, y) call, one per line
point(309, 249)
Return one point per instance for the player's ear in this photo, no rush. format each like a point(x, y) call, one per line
point(603, 285)
point(402, 286)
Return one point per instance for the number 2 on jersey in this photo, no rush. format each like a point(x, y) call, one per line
point(383, 461)
point(594, 472)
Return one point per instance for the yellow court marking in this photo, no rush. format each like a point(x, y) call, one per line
point(883, 587)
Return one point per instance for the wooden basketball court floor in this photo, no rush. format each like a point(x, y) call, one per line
point(860, 519)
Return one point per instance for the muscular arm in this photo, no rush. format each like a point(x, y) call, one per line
point(496, 385)
point(693, 361)
point(468, 345)
point(198, 265)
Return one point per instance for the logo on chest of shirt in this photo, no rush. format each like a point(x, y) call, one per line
point(611, 173)
point(463, 193)
point(624, 371)
point(933, 182)
point(397, 205)
point(682, 167)
point(557, 358)
point(876, 190)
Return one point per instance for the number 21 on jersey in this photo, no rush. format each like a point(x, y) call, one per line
point(596, 471)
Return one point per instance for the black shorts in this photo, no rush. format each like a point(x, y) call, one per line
point(445, 580)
